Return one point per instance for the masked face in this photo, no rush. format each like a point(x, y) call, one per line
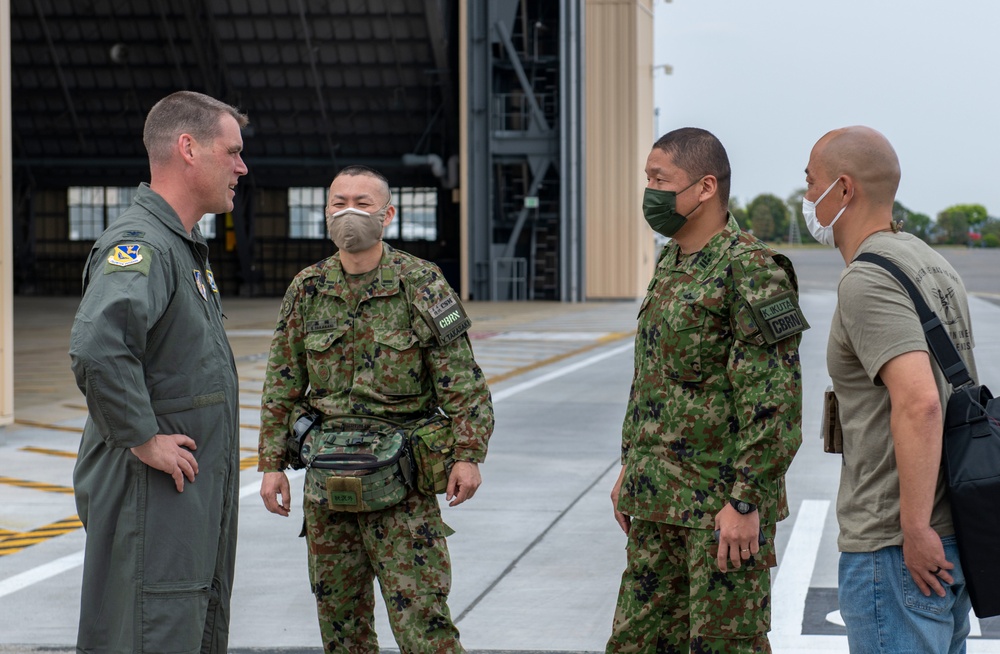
point(822, 234)
point(660, 210)
point(354, 230)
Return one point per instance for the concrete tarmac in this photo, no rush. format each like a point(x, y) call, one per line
point(537, 556)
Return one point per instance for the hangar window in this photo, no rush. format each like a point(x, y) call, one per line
point(305, 212)
point(416, 214)
point(93, 208)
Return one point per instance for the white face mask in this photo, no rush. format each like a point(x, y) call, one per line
point(822, 234)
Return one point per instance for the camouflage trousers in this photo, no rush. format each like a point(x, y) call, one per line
point(674, 599)
point(404, 546)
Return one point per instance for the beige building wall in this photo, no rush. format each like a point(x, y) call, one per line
point(6, 227)
point(618, 112)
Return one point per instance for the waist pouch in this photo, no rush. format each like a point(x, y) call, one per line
point(363, 466)
point(432, 443)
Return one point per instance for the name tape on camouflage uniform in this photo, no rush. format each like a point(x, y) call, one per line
point(449, 320)
point(779, 317)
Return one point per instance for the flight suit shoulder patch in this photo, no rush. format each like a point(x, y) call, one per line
point(129, 257)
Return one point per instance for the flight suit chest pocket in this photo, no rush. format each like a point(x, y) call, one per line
point(327, 360)
point(683, 341)
point(397, 362)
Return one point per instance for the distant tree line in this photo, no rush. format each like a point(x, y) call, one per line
point(770, 218)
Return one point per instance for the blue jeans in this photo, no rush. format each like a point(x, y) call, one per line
point(886, 613)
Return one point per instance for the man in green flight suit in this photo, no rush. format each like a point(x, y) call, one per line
point(357, 335)
point(713, 418)
point(150, 353)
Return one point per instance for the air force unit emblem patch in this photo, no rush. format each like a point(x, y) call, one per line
point(134, 257)
point(199, 281)
point(125, 255)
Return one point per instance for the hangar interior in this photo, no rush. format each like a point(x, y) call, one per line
point(326, 83)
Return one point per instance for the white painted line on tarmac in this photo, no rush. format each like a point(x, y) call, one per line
point(791, 584)
point(40, 573)
point(560, 372)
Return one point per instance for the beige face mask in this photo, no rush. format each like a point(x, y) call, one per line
point(354, 230)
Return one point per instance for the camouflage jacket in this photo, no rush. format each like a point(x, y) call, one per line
point(399, 353)
point(716, 402)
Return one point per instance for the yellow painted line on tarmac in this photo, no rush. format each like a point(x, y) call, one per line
point(46, 451)
point(992, 296)
point(603, 340)
point(248, 462)
point(4, 533)
point(13, 543)
point(250, 406)
point(36, 485)
point(45, 425)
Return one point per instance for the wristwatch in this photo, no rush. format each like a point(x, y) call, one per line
point(742, 507)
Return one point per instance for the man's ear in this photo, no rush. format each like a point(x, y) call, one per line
point(708, 188)
point(186, 145)
point(390, 213)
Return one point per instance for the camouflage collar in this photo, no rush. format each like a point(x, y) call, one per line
point(384, 284)
point(699, 265)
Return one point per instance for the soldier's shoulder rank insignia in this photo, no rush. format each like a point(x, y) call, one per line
point(448, 319)
point(128, 256)
point(779, 316)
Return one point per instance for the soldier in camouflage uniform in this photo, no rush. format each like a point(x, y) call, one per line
point(713, 418)
point(356, 336)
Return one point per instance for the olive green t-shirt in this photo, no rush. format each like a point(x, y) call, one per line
point(874, 322)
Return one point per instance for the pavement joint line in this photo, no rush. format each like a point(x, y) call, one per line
point(538, 539)
point(36, 485)
point(616, 336)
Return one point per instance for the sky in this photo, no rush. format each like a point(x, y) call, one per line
point(770, 77)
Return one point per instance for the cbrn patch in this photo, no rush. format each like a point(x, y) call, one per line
point(449, 320)
point(779, 317)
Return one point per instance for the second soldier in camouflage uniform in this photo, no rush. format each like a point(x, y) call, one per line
point(356, 332)
point(713, 418)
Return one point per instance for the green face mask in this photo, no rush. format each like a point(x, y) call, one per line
point(660, 210)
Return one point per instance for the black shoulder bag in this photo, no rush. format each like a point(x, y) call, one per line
point(971, 456)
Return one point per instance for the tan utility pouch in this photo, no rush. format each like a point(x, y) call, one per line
point(833, 435)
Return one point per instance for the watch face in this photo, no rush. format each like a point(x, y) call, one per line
point(743, 507)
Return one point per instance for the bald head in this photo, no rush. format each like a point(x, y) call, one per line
point(865, 155)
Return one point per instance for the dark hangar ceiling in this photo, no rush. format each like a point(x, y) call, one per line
point(325, 83)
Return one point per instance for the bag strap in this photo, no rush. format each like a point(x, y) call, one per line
point(940, 344)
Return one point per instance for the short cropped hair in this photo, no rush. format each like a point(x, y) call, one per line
point(357, 169)
point(698, 153)
point(184, 112)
